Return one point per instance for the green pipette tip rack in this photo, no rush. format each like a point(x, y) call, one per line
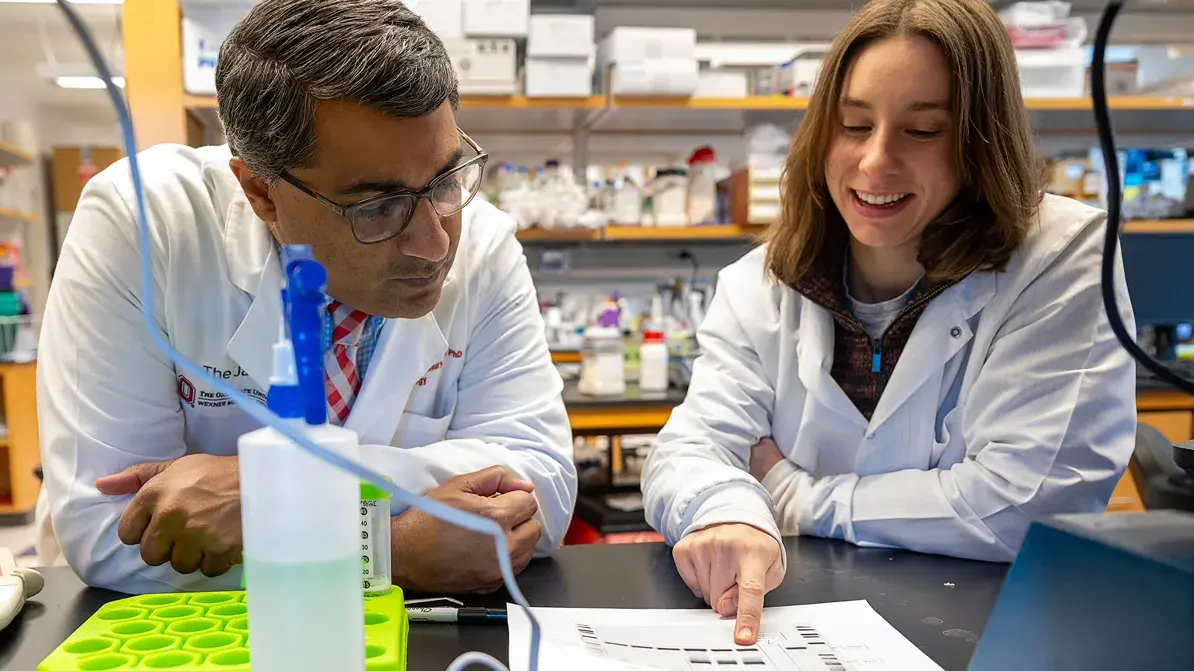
point(204, 631)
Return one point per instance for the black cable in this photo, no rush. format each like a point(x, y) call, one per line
point(1102, 115)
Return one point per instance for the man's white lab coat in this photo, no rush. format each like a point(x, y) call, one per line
point(466, 387)
point(1011, 401)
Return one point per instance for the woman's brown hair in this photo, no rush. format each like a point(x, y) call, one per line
point(1000, 177)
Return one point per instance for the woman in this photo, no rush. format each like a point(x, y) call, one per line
point(919, 357)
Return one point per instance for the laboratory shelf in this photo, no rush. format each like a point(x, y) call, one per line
point(1144, 226)
point(561, 234)
point(12, 156)
point(727, 232)
point(622, 233)
point(773, 103)
point(9, 215)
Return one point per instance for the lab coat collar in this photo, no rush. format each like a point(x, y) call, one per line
point(249, 246)
point(254, 267)
point(942, 330)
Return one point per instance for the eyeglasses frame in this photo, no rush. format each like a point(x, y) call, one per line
point(347, 211)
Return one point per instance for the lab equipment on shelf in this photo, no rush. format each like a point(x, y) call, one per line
point(702, 187)
point(670, 196)
point(653, 361)
point(603, 370)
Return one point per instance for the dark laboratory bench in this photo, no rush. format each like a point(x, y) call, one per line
point(633, 396)
point(922, 596)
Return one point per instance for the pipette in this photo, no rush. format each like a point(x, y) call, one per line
point(264, 416)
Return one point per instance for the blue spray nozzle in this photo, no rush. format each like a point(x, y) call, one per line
point(304, 302)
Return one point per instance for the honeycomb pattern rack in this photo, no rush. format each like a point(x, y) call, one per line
point(204, 631)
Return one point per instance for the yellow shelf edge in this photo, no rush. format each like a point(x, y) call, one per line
point(199, 102)
point(9, 214)
point(1158, 226)
point(712, 232)
point(15, 154)
point(627, 232)
point(773, 103)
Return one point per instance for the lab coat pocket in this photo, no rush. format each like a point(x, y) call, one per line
point(948, 444)
point(419, 430)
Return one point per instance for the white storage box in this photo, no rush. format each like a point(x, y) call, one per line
point(203, 31)
point(661, 77)
point(559, 77)
point(1052, 73)
point(485, 66)
point(444, 17)
point(627, 43)
point(798, 77)
point(562, 35)
point(722, 83)
point(497, 18)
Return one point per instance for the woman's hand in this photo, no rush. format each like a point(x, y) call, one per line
point(763, 457)
point(731, 567)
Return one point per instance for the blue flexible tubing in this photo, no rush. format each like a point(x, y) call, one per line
point(429, 506)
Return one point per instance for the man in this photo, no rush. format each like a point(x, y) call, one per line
point(340, 119)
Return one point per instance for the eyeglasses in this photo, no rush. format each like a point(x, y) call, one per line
point(383, 217)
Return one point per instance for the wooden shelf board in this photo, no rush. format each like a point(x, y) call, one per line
point(777, 103)
point(523, 102)
point(565, 356)
point(559, 234)
point(8, 214)
point(773, 103)
point(200, 102)
point(619, 232)
point(680, 232)
point(12, 156)
point(1117, 103)
point(1159, 226)
point(1159, 400)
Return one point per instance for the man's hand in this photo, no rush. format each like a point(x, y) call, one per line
point(763, 457)
point(186, 511)
point(731, 567)
point(430, 555)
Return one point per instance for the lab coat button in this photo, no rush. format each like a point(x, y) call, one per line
point(955, 332)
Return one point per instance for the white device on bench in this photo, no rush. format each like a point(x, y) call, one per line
point(16, 585)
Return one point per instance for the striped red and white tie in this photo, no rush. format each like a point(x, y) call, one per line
point(340, 377)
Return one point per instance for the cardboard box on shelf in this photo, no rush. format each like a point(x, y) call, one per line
point(562, 35)
point(662, 77)
point(630, 43)
point(722, 83)
point(497, 18)
point(444, 17)
point(485, 66)
point(559, 77)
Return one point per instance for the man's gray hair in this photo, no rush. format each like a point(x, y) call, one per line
point(287, 55)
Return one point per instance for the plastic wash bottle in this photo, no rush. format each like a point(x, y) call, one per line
point(299, 523)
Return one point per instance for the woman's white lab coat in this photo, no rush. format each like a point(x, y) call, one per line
point(468, 386)
point(1011, 401)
